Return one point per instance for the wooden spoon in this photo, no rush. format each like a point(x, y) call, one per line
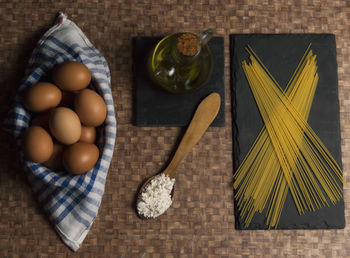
point(203, 117)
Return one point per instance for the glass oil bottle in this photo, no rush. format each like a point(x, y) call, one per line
point(182, 62)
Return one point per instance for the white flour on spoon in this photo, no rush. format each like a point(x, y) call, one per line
point(155, 198)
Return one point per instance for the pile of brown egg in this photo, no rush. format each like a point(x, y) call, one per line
point(66, 113)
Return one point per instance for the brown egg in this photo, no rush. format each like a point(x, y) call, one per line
point(88, 134)
point(90, 108)
point(42, 119)
point(65, 125)
point(71, 76)
point(42, 96)
point(55, 161)
point(37, 144)
point(80, 157)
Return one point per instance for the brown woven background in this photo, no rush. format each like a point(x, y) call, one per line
point(200, 222)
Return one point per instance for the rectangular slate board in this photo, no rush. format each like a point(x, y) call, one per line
point(156, 107)
point(281, 54)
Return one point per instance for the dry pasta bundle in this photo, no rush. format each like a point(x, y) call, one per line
point(287, 154)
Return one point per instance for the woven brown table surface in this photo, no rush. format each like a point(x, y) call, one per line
point(200, 222)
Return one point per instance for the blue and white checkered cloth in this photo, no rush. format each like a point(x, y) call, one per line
point(71, 202)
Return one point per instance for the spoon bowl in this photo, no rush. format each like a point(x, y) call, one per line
point(140, 191)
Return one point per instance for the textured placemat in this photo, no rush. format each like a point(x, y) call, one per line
point(157, 107)
point(201, 220)
point(281, 55)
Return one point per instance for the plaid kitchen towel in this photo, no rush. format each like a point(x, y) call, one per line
point(70, 201)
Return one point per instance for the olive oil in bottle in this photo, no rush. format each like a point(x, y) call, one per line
point(182, 62)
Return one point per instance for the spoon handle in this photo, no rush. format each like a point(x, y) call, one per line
point(203, 117)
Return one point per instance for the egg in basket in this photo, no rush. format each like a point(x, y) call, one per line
point(66, 117)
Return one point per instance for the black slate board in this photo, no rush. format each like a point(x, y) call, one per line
point(281, 54)
point(156, 107)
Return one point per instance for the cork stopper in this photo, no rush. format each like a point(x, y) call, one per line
point(188, 44)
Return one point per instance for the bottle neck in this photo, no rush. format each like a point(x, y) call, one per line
point(186, 48)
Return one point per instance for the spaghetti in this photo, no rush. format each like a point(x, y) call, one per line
point(287, 154)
